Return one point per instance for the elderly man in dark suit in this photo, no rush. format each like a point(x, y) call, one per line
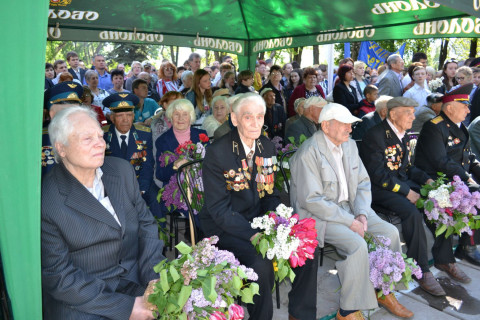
point(132, 142)
point(444, 146)
point(233, 198)
point(372, 118)
point(99, 240)
point(306, 124)
point(390, 81)
point(386, 153)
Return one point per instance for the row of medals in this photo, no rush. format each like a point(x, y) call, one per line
point(264, 178)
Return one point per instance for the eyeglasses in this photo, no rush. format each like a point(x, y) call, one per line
point(276, 73)
point(460, 78)
point(169, 68)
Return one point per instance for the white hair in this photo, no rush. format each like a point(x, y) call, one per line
point(137, 62)
point(231, 100)
point(183, 105)
point(185, 74)
point(393, 59)
point(220, 98)
point(62, 126)
point(314, 101)
point(89, 74)
point(381, 102)
point(246, 99)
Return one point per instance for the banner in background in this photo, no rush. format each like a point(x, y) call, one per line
point(374, 56)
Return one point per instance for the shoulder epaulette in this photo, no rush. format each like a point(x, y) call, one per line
point(437, 120)
point(142, 128)
point(106, 128)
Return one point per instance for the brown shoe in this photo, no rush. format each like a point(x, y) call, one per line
point(290, 317)
point(454, 272)
point(391, 303)
point(430, 284)
point(357, 315)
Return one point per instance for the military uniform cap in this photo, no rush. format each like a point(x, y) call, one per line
point(401, 102)
point(461, 94)
point(475, 63)
point(63, 92)
point(121, 102)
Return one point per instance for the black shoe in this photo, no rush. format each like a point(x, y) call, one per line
point(469, 253)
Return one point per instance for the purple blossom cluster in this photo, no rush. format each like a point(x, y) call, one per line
point(463, 205)
point(384, 261)
point(167, 158)
point(204, 256)
point(172, 196)
point(277, 141)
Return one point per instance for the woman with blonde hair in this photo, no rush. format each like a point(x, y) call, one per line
point(200, 95)
point(167, 78)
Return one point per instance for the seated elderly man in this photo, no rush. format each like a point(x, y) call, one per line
point(444, 146)
point(319, 189)
point(99, 240)
point(386, 153)
point(307, 124)
point(57, 98)
point(132, 142)
point(233, 198)
point(372, 118)
point(275, 116)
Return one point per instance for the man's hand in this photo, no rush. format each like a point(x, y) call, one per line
point(178, 163)
point(253, 237)
point(412, 196)
point(363, 220)
point(357, 227)
point(148, 122)
point(139, 311)
point(430, 181)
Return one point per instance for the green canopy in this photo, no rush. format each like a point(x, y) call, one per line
point(246, 27)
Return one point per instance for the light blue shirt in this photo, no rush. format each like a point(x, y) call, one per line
point(148, 111)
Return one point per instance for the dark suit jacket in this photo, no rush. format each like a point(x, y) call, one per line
point(368, 121)
point(475, 107)
point(444, 147)
point(387, 160)
point(87, 258)
point(168, 142)
point(230, 211)
point(301, 126)
point(343, 96)
point(275, 124)
point(82, 74)
point(139, 152)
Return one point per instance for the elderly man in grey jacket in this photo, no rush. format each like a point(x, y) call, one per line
point(320, 170)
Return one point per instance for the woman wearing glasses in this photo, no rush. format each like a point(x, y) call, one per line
point(167, 75)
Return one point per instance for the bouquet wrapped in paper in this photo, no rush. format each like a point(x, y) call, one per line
point(450, 206)
point(285, 240)
point(388, 269)
point(202, 283)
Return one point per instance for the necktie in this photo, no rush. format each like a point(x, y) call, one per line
point(250, 160)
point(123, 146)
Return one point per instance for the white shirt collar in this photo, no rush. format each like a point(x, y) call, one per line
point(399, 134)
point(122, 134)
point(246, 148)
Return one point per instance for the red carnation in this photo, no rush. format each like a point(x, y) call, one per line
point(203, 137)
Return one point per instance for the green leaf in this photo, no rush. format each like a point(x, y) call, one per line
point(263, 246)
point(174, 274)
point(291, 275)
point(302, 138)
point(182, 316)
point(159, 266)
point(420, 203)
point(237, 282)
point(184, 295)
point(208, 287)
point(183, 248)
point(241, 274)
point(202, 273)
point(429, 205)
point(477, 224)
point(424, 192)
point(254, 286)
point(282, 272)
point(247, 295)
point(164, 281)
point(292, 140)
point(440, 230)
point(450, 230)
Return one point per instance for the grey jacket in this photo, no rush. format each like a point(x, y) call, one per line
point(301, 126)
point(389, 84)
point(315, 187)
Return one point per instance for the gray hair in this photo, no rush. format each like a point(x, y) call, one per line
point(381, 102)
point(137, 62)
point(89, 74)
point(298, 102)
point(392, 59)
point(246, 99)
point(63, 124)
point(181, 105)
point(231, 100)
point(220, 98)
point(185, 74)
point(314, 101)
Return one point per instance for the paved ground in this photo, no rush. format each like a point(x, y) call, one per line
point(462, 301)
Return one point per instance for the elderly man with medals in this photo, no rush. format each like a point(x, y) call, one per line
point(444, 146)
point(238, 176)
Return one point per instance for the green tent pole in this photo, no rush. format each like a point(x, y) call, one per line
point(21, 92)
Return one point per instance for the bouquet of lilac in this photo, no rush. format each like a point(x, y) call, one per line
point(450, 206)
point(202, 283)
point(170, 193)
point(388, 269)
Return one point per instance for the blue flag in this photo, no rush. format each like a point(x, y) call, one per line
point(374, 56)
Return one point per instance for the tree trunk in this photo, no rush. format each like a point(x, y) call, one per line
point(473, 48)
point(60, 47)
point(172, 55)
point(272, 54)
point(316, 55)
point(443, 52)
point(99, 47)
point(218, 56)
point(261, 56)
point(207, 57)
point(298, 55)
point(354, 50)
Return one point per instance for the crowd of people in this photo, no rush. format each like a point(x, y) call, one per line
point(99, 236)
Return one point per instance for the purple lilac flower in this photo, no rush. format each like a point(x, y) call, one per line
point(277, 141)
